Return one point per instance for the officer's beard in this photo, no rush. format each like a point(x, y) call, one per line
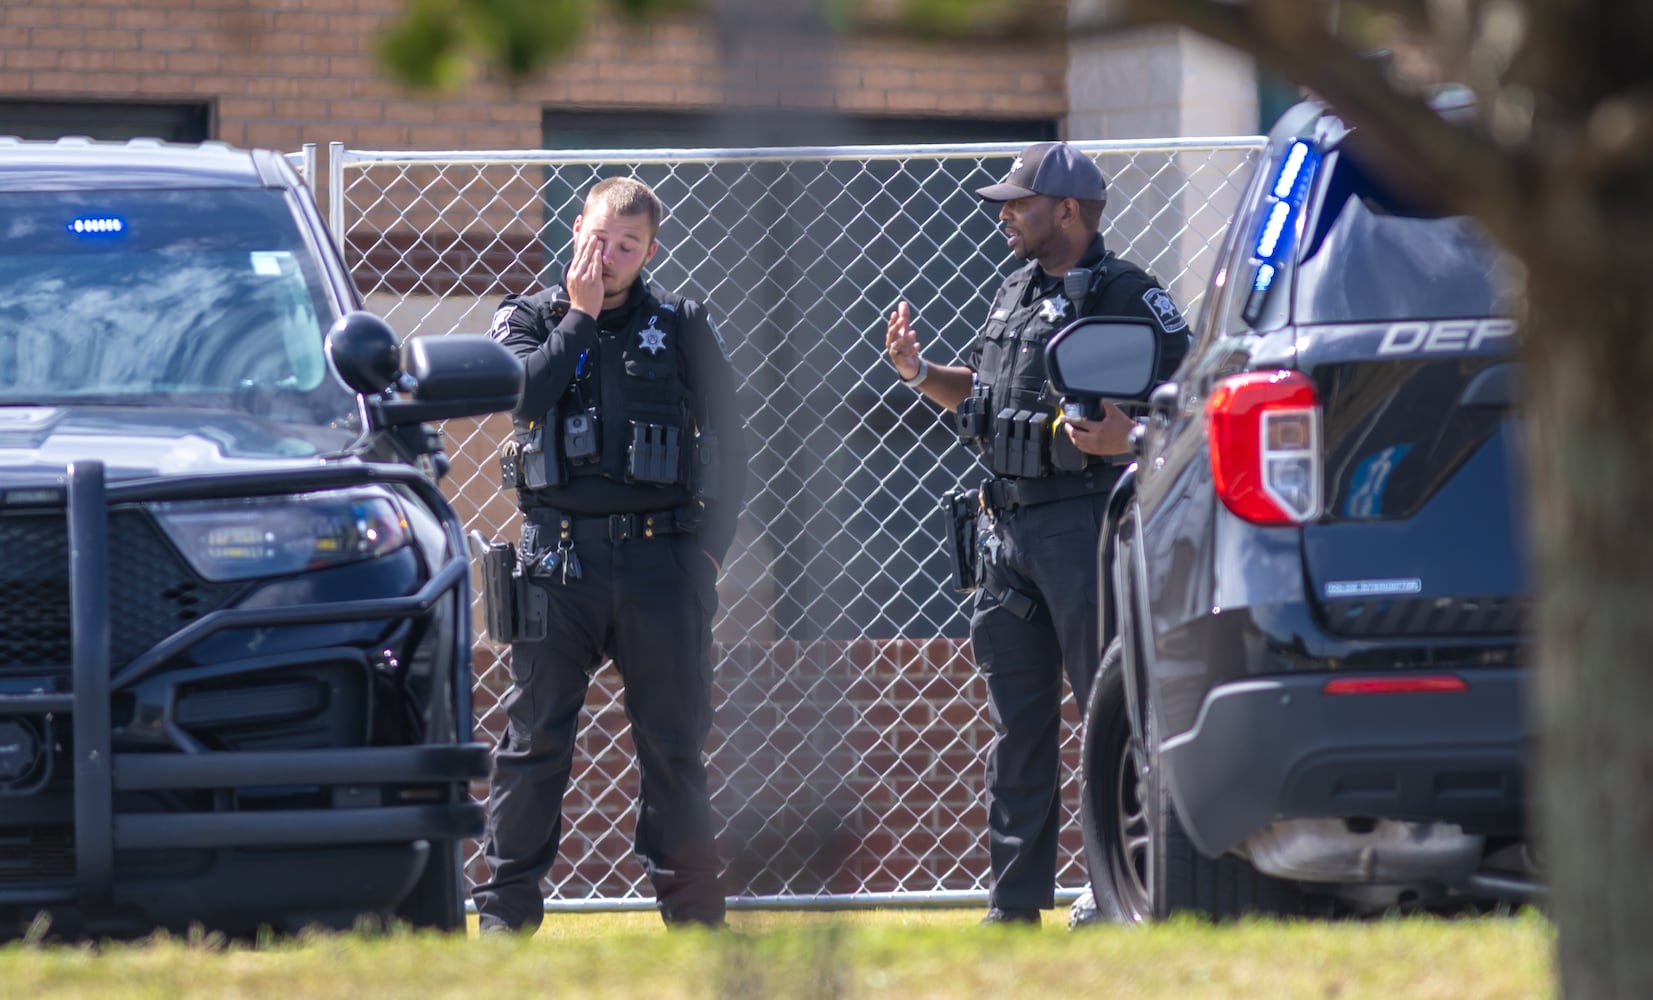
point(1026, 246)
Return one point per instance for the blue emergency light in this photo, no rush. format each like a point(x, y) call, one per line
point(1277, 233)
point(97, 225)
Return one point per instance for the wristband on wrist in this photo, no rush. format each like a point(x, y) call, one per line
point(919, 376)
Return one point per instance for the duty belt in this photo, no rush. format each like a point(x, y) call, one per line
point(1006, 493)
point(614, 528)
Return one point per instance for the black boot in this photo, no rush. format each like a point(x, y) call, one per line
point(1007, 915)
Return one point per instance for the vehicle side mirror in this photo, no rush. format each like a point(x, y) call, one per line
point(457, 375)
point(1104, 358)
point(364, 352)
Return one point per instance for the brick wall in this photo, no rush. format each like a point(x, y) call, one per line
point(283, 73)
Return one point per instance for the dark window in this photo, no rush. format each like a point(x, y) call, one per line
point(652, 129)
point(165, 298)
point(115, 120)
point(1375, 255)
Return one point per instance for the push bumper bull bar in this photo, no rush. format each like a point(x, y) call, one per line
point(98, 773)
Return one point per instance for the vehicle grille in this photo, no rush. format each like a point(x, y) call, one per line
point(1391, 616)
point(152, 592)
point(36, 854)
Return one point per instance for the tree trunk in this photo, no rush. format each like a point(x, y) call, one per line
point(1588, 349)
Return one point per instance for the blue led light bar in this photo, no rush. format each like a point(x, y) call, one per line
point(97, 225)
point(1288, 192)
point(1265, 277)
point(1274, 226)
point(1277, 233)
point(1290, 169)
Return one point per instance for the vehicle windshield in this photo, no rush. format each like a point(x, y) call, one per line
point(203, 299)
point(1376, 256)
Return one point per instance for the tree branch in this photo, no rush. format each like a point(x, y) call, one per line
point(1408, 141)
point(1617, 138)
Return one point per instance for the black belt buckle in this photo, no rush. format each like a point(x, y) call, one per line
point(619, 528)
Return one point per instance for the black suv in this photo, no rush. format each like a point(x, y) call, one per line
point(1313, 696)
point(235, 634)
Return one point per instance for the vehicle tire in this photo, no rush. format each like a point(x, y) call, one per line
point(1111, 815)
point(1182, 880)
point(437, 901)
point(1142, 865)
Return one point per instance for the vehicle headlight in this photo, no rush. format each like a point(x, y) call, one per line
point(271, 536)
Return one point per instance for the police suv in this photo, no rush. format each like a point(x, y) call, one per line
point(1314, 577)
point(235, 635)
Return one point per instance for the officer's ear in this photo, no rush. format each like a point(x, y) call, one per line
point(654, 247)
point(1067, 212)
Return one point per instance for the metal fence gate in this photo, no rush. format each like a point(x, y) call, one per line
point(846, 759)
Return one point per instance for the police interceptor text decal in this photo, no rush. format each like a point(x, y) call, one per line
point(1373, 588)
point(1415, 338)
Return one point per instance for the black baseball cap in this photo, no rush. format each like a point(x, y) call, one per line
point(1053, 168)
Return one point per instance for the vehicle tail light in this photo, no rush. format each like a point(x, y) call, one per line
point(1415, 684)
point(1264, 430)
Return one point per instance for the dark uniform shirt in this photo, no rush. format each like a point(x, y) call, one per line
point(1031, 305)
point(551, 355)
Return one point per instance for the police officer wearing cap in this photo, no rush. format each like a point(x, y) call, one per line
point(1034, 616)
point(629, 466)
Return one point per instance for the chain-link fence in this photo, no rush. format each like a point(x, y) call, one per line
point(846, 760)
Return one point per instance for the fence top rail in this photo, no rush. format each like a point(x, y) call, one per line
point(364, 158)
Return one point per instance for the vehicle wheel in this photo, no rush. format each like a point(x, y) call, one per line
point(1111, 813)
point(1182, 880)
point(1141, 864)
point(437, 901)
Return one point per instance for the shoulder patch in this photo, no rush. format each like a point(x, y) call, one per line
point(1165, 311)
point(500, 326)
point(722, 348)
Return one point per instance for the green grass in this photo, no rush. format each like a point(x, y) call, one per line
point(904, 954)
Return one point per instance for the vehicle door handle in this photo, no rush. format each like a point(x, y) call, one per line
point(1162, 402)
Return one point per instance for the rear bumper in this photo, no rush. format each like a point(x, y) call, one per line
point(1279, 748)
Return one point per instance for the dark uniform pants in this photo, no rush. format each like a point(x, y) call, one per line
point(1046, 553)
point(648, 604)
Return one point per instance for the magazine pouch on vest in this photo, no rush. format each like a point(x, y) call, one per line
point(652, 456)
point(1020, 440)
point(646, 425)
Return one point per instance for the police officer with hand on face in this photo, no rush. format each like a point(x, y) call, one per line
point(630, 469)
point(1035, 611)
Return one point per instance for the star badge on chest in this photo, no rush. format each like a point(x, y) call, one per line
point(1054, 309)
point(652, 338)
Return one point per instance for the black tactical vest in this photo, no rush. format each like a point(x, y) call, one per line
point(631, 394)
point(1013, 405)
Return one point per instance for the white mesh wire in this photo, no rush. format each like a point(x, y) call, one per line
point(847, 753)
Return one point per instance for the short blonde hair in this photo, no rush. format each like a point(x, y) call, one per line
point(626, 196)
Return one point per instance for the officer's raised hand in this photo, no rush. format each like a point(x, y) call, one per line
point(901, 342)
point(585, 275)
point(944, 384)
point(1108, 436)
